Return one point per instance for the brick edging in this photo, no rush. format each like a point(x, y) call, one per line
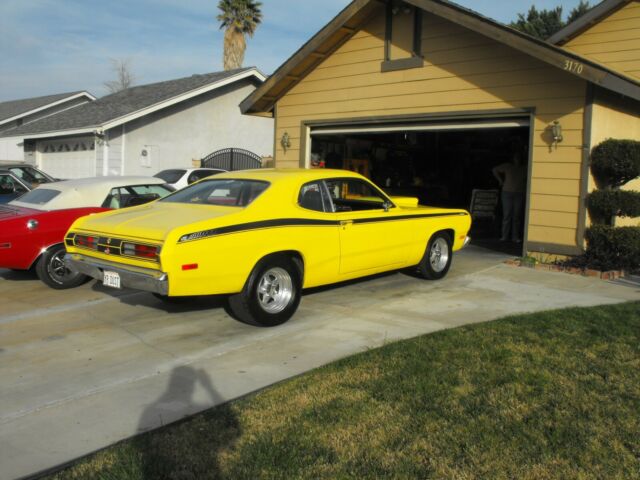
point(586, 272)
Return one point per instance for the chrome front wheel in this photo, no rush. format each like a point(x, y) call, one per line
point(437, 257)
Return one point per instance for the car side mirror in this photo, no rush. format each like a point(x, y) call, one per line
point(387, 205)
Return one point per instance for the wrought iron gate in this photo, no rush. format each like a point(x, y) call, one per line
point(232, 159)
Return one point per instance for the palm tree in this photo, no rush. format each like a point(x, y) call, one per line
point(240, 18)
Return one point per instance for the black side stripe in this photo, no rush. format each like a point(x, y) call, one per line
point(407, 217)
point(302, 222)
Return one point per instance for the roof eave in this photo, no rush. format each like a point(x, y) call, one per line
point(286, 76)
point(100, 128)
point(258, 103)
point(252, 72)
point(590, 18)
point(48, 105)
point(551, 54)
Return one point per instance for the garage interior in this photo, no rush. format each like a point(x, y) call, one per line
point(443, 164)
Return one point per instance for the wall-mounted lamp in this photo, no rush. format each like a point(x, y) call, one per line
point(285, 141)
point(556, 133)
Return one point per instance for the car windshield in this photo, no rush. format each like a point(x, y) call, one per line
point(170, 176)
point(39, 196)
point(230, 192)
point(30, 175)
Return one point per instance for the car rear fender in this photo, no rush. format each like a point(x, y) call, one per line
point(42, 251)
point(296, 256)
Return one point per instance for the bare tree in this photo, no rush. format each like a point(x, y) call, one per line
point(124, 77)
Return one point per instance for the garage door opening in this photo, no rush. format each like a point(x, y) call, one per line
point(444, 165)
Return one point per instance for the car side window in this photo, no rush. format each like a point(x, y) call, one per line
point(112, 200)
point(313, 196)
point(199, 175)
point(352, 194)
point(8, 185)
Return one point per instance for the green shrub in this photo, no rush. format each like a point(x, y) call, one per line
point(611, 248)
point(615, 162)
point(604, 204)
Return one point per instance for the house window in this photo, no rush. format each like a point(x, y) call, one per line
point(403, 37)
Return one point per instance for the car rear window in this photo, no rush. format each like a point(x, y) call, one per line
point(39, 196)
point(229, 192)
point(170, 176)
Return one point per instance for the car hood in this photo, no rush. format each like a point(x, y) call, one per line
point(154, 221)
point(9, 212)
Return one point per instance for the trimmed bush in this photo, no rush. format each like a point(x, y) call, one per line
point(604, 204)
point(615, 162)
point(611, 248)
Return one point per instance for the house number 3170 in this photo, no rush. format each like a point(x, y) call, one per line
point(574, 67)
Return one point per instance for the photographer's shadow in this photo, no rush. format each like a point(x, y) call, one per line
point(188, 449)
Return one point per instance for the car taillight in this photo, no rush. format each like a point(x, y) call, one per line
point(138, 250)
point(87, 242)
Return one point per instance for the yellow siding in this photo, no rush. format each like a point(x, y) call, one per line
point(614, 41)
point(615, 118)
point(463, 71)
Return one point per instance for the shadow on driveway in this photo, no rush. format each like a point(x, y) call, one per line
point(187, 450)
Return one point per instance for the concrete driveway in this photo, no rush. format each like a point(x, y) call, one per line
point(81, 369)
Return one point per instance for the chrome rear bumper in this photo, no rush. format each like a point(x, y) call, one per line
point(130, 277)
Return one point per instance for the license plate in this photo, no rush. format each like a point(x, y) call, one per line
point(111, 279)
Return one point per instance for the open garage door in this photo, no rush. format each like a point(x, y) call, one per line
point(74, 158)
point(448, 163)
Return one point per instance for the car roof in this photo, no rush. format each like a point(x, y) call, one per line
point(277, 174)
point(16, 164)
point(86, 192)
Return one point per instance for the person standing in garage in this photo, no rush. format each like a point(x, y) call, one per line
point(512, 178)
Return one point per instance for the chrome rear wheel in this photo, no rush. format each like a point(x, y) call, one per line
point(275, 290)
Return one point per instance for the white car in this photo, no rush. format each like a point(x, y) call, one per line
point(182, 177)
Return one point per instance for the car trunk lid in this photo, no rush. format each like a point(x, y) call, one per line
point(154, 221)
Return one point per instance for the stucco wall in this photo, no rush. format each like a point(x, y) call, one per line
point(615, 117)
point(192, 130)
point(11, 149)
point(463, 71)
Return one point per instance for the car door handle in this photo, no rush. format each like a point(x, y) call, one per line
point(346, 223)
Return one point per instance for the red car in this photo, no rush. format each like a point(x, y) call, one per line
point(32, 228)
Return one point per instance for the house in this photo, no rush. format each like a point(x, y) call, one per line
point(426, 97)
point(16, 113)
point(147, 128)
point(610, 35)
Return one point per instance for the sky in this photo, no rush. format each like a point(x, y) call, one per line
point(56, 46)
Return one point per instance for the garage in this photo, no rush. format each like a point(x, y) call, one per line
point(70, 158)
point(444, 162)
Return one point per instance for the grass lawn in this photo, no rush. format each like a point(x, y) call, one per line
point(546, 395)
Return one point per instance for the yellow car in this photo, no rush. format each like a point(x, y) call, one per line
point(261, 236)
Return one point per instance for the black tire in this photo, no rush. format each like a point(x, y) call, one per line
point(433, 266)
point(53, 273)
point(172, 300)
point(271, 294)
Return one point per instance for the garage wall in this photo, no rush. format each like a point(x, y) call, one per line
point(614, 117)
point(11, 149)
point(114, 152)
point(614, 41)
point(463, 71)
point(73, 157)
point(174, 136)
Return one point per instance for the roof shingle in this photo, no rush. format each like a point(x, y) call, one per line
point(125, 102)
point(13, 108)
